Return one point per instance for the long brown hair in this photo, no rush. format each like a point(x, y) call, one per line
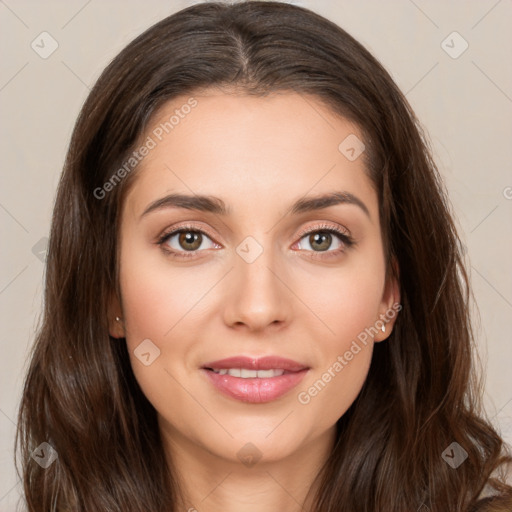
point(421, 394)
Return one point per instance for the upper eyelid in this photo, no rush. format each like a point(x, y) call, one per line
point(338, 228)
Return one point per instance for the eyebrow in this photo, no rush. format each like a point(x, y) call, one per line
point(212, 204)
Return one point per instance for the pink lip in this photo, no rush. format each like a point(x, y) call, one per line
point(256, 390)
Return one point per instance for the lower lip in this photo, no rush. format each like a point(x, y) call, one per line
point(255, 390)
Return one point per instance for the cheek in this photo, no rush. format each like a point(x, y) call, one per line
point(157, 304)
point(348, 306)
point(345, 300)
point(147, 304)
point(156, 297)
point(164, 303)
point(344, 352)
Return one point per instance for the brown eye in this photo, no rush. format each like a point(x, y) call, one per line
point(325, 241)
point(320, 240)
point(190, 240)
point(185, 240)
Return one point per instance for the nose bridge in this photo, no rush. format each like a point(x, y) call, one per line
point(257, 295)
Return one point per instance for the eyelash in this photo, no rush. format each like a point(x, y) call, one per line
point(346, 239)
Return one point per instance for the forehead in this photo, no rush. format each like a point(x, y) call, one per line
point(249, 150)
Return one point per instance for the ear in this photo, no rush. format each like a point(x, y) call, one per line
point(115, 327)
point(390, 304)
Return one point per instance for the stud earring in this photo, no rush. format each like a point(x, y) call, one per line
point(118, 319)
point(383, 328)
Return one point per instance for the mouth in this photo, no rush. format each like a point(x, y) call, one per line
point(267, 363)
point(254, 380)
point(244, 373)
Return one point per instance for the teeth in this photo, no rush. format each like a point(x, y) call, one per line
point(250, 374)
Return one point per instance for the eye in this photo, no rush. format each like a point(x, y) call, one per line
point(184, 241)
point(321, 239)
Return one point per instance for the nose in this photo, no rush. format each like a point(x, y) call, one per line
point(257, 297)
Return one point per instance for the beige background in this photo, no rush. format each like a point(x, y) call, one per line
point(465, 103)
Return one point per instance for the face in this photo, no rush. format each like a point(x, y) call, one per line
point(271, 274)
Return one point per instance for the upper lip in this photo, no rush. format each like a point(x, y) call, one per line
point(257, 363)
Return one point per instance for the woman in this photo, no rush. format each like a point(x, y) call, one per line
point(255, 295)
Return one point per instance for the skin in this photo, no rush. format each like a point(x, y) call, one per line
point(259, 155)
